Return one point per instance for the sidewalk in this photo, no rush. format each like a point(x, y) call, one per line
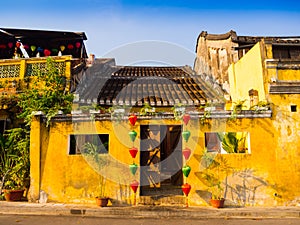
point(26, 208)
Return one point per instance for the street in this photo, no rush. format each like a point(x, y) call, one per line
point(72, 220)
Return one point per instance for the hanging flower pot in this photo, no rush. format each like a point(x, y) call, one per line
point(132, 119)
point(133, 168)
point(134, 185)
point(132, 135)
point(186, 135)
point(186, 170)
point(186, 118)
point(186, 188)
point(133, 151)
point(186, 153)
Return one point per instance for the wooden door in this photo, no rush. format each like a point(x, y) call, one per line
point(161, 159)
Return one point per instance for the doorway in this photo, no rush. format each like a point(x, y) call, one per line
point(161, 160)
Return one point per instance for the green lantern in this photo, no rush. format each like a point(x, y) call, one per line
point(186, 170)
point(132, 135)
point(133, 168)
point(186, 135)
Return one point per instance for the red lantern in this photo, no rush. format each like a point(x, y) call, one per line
point(18, 44)
point(134, 185)
point(77, 44)
point(70, 46)
point(132, 119)
point(10, 44)
point(186, 153)
point(186, 189)
point(186, 118)
point(133, 151)
point(47, 52)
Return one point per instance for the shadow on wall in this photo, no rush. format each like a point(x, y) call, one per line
point(241, 188)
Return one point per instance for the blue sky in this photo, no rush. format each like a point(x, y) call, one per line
point(111, 24)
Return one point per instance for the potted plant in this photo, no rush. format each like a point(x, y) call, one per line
point(92, 152)
point(216, 170)
point(15, 163)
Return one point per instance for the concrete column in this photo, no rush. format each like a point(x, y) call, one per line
point(35, 159)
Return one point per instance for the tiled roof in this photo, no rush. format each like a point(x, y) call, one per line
point(157, 86)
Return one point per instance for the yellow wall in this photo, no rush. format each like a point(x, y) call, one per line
point(247, 74)
point(269, 169)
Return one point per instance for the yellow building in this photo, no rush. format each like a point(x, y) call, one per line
point(249, 157)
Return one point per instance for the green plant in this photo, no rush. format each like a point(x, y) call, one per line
point(47, 94)
point(92, 152)
point(147, 110)
point(215, 172)
point(237, 108)
point(178, 111)
point(233, 142)
point(261, 106)
point(14, 158)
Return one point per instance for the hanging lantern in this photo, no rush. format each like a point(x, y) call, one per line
point(186, 118)
point(70, 46)
point(10, 44)
point(54, 50)
point(186, 170)
point(62, 48)
point(186, 135)
point(133, 151)
point(47, 52)
point(18, 44)
point(186, 188)
point(133, 168)
point(40, 50)
point(132, 119)
point(77, 44)
point(26, 46)
point(2, 46)
point(186, 153)
point(32, 47)
point(132, 135)
point(134, 185)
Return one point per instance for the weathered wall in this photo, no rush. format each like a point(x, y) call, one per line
point(247, 74)
point(270, 169)
point(214, 57)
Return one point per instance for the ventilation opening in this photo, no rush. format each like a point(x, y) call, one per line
point(293, 108)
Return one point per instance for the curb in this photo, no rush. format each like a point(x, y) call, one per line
point(52, 209)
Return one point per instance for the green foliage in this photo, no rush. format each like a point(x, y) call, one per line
point(47, 94)
point(178, 111)
point(231, 143)
point(14, 158)
point(91, 151)
point(237, 108)
point(147, 110)
point(216, 170)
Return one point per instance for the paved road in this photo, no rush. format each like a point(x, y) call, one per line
point(80, 220)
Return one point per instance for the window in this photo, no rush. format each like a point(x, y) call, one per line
point(293, 108)
point(85, 143)
point(286, 52)
point(227, 142)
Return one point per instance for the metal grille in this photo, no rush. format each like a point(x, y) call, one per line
point(34, 69)
point(9, 71)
